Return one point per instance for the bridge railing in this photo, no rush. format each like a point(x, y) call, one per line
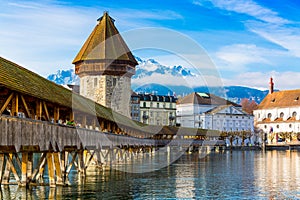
point(22, 133)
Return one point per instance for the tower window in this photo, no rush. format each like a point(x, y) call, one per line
point(95, 82)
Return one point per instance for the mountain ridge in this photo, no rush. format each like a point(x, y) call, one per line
point(151, 67)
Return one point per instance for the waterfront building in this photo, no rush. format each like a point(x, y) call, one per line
point(279, 112)
point(207, 111)
point(227, 118)
point(105, 66)
point(157, 109)
point(135, 106)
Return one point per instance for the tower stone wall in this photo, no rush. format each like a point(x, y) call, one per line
point(110, 91)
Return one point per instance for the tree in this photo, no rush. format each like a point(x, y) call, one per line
point(248, 106)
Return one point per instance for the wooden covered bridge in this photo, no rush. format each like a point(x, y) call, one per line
point(31, 113)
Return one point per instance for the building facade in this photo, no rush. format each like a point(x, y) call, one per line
point(105, 66)
point(227, 118)
point(207, 111)
point(279, 112)
point(157, 109)
point(135, 107)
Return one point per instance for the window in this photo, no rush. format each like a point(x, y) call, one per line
point(294, 114)
point(290, 125)
point(114, 81)
point(157, 105)
point(277, 126)
point(269, 115)
point(144, 104)
point(95, 82)
point(265, 126)
point(281, 115)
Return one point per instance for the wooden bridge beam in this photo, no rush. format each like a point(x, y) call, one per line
point(15, 105)
point(56, 114)
point(6, 103)
point(25, 106)
point(57, 164)
point(1, 166)
point(51, 172)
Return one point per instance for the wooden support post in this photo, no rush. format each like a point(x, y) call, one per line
point(71, 116)
point(51, 173)
point(71, 164)
point(102, 125)
point(56, 114)
point(6, 103)
point(1, 166)
point(87, 163)
point(12, 167)
point(83, 123)
point(81, 167)
point(39, 170)
point(25, 106)
point(94, 122)
point(38, 110)
point(29, 166)
point(24, 169)
point(109, 126)
point(15, 105)
point(6, 174)
point(57, 163)
point(46, 111)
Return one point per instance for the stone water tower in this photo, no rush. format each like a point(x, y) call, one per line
point(105, 66)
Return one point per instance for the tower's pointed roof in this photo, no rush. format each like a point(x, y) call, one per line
point(105, 43)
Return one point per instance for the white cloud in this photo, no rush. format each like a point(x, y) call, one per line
point(286, 37)
point(247, 7)
point(45, 36)
point(267, 23)
point(282, 80)
point(238, 57)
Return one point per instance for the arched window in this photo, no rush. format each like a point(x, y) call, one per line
point(294, 114)
point(281, 115)
point(269, 115)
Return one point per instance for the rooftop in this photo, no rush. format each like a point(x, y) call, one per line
point(204, 99)
point(105, 43)
point(286, 98)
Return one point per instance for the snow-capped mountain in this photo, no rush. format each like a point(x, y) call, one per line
point(151, 66)
point(148, 69)
point(64, 77)
point(145, 68)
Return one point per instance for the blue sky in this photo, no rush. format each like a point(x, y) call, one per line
point(247, 40)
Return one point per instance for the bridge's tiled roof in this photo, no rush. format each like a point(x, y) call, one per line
point(19, 79)
point(105, 42)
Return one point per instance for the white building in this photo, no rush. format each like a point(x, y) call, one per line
point(157, 109)
point(227, 118)
point(207, 111)
point(279, 112)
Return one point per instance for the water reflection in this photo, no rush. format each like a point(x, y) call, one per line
point(228, 175)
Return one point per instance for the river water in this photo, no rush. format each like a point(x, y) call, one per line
point(225, 175)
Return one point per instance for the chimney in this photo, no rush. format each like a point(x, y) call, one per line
point(271, 86)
